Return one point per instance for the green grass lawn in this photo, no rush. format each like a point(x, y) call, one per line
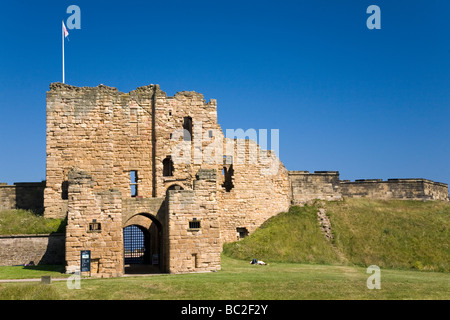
point(393, 234)
point(30, 272)
point(238, 280)
point(27, 222)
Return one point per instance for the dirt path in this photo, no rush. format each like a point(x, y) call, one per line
point(325, 225)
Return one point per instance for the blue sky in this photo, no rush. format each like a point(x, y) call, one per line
point(368, 103)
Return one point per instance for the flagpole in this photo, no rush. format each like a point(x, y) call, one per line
point(63, 73)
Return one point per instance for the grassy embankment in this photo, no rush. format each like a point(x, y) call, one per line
point(26, 222)
point(390, 234)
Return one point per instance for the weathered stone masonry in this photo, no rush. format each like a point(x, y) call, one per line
point(306, 186)
point(195, 247)
point(22, 195)
point(41, 249)
point(326, 185)
point(99, 140)
point(94, 222)
point(408, 189)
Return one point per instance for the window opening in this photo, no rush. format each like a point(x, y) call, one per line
point(187, 126)
point(65, 190)
point(168, 167)
point(195, 224)
point(242, 232)
point(228, 175)
point(134, 183)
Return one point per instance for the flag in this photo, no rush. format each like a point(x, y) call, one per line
point(65, 32)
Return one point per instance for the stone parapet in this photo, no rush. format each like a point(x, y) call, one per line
point(306, 186)
point(402, 189)
point(22, 195)
point(325, 185)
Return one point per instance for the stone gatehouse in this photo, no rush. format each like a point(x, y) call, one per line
point(147, 179)
point(159, 163)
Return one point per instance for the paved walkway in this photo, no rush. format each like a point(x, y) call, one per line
point(83, 278)
point(31, 280)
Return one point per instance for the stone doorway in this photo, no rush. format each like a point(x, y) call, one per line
point(142, 250)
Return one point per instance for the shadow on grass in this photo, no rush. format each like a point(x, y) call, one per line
point(50, 268)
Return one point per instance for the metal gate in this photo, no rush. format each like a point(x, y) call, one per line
point(134, 245)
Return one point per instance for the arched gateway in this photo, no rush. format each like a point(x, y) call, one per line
point(182, 235)
point(143, 249)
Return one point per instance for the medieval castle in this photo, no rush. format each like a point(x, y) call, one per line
point(163, 166)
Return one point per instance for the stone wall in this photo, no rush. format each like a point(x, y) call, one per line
point(406, 189)
point(94, 222)
point(194, 226)
point(136, 206)
point(325, 185)
point(435, 190)
point(22, 195)
point(7, 197)
point(306, 186)
point(250, 191)
point(45, 249)
point(188, 151)
point(101, 131)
